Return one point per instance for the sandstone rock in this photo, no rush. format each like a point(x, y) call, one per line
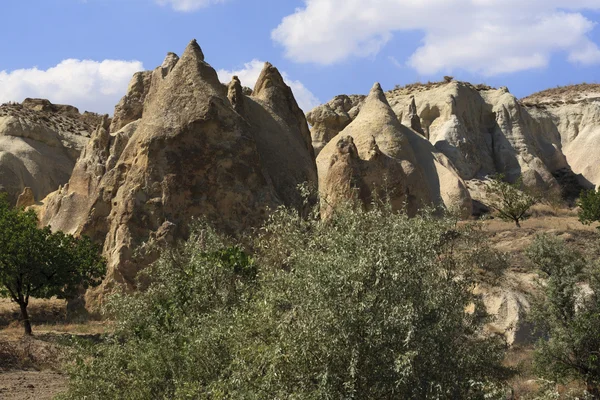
point(331, 118)
point(26, 198)
point(193, 153)
point(572, 114)
point(427, 178)
point(131, 106)
point(39, 144)
point(476, 130)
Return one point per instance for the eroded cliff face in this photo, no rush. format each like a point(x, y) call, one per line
point(572, 113)
point(197, 149)
point(478, 131)
point(389, 158)
point(39, 145)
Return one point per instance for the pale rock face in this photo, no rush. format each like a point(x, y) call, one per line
point(39, 144)
point(331, 118)
point(26, 198)
point(476, 131)
point(195, 152)
point(427, 177)
point(573, 115)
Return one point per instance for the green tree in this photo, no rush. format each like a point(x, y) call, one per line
point(34, 262)
point(566, 316)
point(589, 207)
point(508, 199)
point(363, 305)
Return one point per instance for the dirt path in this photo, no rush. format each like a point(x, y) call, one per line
point(31, 385)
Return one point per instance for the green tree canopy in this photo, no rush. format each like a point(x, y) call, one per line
point(566, 316)
point(364, 305)
point(34, 262)
point(508, 199)
point(589, 207)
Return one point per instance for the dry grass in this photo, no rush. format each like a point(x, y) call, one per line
point(569, 94)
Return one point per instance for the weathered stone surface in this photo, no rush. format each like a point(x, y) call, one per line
point(427, 177)
point(26, 198)
point(572, 114)
point(39, 144)
point(193, 153)
point(479, 130)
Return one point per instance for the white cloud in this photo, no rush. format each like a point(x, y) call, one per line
point(89, 85)
point(488, 37)
point(250, 73)
point(188, 5)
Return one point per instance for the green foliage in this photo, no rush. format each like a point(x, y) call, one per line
point(35, 262)
point(566, 316)
point(509, 200)
point(364, 305)
point(589, 207)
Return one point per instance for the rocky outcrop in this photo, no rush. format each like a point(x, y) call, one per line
point(39, 145)
point(200, 149)
point(384, 155)
point(572, 114)
point(480, 130)
point(26, 199)
point(331, 118)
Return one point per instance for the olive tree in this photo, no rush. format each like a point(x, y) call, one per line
point(363, 305)
point(35, 262)
point(589, 207)
point(508, 200)
point(566, 316)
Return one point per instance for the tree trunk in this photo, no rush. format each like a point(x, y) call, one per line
point(517, 223)
point(25, 318)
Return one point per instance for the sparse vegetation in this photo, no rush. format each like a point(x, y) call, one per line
point(589, 207)
point(35, 262)
point(566, 316)
point(508, 199)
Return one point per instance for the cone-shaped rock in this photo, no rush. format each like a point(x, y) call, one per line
point(191, 154)
point(420, 182)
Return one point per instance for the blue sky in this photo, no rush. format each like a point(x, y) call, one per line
point(324, 47)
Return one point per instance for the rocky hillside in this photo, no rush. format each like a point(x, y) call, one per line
point(573, 114)
point(39, 145)
point(549, 139)
point(375, 153)
point(181, 146)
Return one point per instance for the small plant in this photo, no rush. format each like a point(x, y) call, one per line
point(448, 79)
point(511, 203)
point(589, 207)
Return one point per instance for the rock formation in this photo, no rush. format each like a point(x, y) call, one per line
point(26, 199)
point(572, 114)
point(383, 154)
point(197, 149)
point(39, 145)
point(331, 118)
point(480, 130)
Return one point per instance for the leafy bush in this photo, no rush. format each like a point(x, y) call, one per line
point(363, 305)
point(589, 207)
point(566, 317)
point(511, 203)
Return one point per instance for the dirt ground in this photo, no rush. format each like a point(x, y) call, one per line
point(30, 368)
point(31, 385)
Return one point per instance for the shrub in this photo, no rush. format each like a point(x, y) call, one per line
point(566, 317)
point(364, 305)
point(510, 202)
point(589, 207)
